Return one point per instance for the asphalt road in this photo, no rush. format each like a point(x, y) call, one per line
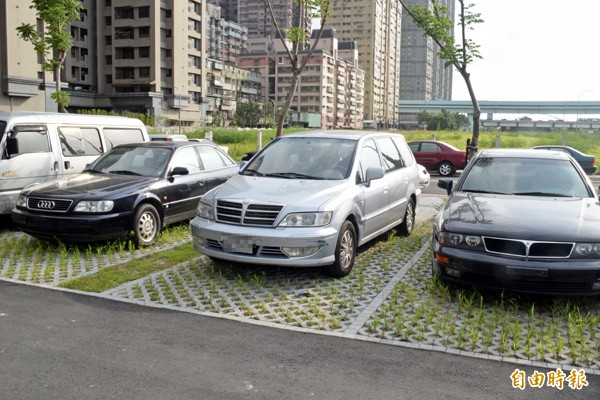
point(59, 345)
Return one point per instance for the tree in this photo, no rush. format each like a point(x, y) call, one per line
point(438, 26)
point(298, 36)
point(445, 120)
point(247, 114)
point(53, 43)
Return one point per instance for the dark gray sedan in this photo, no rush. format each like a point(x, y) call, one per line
point(520, 220)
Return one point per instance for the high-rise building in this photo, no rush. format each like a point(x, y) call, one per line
point(376, 26)
point(255, 15)
point(423, 75)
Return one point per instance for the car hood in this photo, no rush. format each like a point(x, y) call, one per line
point(92, 185)
point(309, 193)
point(522, 217)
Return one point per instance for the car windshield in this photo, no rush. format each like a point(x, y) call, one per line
point(304, 157)
point(525, 176)
point(141, 161)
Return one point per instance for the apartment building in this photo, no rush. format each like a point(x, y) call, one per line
point(376, 27)
point(331, 85)
point(255, 15)
point(423, 75)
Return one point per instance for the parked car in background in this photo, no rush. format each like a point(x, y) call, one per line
point(522, 220)
point(136, 188)
point(37, 147)
point(167, 137)
point(310, 199)
point(438, 156)
point(587, 161)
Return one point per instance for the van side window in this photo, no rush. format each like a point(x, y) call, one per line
point(369, 157)
point(116, 136)
point(76, 141)
point(33, 141)
point(405, 152)
point(391, 157)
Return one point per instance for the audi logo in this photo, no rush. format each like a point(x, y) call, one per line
point(46, 204)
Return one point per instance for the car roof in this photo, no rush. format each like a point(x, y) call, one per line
point(343, 134)
point(524, 153)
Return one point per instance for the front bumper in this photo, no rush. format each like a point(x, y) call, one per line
point(79, 228)
point(485, 270)
point(256, 245)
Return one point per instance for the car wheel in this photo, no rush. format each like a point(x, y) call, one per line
point(407, 226)
point(446, 168)
point(146, 225)
point(345, 251)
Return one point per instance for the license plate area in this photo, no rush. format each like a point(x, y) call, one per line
point(237, 244)
point(530, 272)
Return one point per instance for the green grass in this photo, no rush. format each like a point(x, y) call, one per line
point(111, 277)
point(242, 141)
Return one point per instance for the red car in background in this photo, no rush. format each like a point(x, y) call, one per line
point(438, 156)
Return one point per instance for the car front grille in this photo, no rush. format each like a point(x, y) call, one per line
point(527, 248)
point(253, 214)
point(50, 205)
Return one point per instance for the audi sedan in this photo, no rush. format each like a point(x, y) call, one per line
point(133, 189)
point(520, 220)
point(310, 199)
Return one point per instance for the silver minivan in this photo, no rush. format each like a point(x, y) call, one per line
point(310, 199)
point(36, 147)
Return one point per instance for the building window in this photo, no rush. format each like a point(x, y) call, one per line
point(125, 73)
point(108, 40)
point(144, 12)
point(108, 60)
point(123, 13)
point(109, 79)
point(125, 32)
point(144, 52)
point(144, 72)
point(108, 21)
point(144, 31)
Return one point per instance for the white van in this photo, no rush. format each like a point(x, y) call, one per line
point(36, 146)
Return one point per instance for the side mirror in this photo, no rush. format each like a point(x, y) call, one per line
point(374, 173)
point(179, 171)
point(12, 146)
point(446, 184)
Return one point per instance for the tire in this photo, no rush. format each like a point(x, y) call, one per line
point(146, 225)
point(408, 224)
point(345, 251)
point(445, 168)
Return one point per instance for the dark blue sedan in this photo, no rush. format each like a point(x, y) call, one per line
point(587, 161)
point(133, 188)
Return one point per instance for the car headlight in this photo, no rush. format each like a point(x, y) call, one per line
point(307, 219)
point(451, 239)
point(586, 250)
point(205, 211)
point(22, 201)
point(97, 206)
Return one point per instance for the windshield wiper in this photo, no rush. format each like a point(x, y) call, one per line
point(252, 172)
point(292, 175)
point(483, 191)
point(545, 194)
point(124, 172)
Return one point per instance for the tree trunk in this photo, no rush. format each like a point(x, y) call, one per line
point(476, 114)
point(288, 102)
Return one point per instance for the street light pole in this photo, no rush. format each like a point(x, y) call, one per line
point(178, 108)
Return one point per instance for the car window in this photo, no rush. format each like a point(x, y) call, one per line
point(186, 157)
point(76, 141)
point(391, 156)
point(32, 140)
point(520, 176)
point(116, 136)
point(369, 157)
point(430, 147)
point(407, 156)
point(212, 158)
point(414, 147)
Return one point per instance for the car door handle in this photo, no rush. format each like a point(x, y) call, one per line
point(67, 165)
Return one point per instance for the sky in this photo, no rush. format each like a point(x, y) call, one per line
point(544, 50)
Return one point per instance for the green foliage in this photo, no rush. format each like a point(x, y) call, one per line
point(444, 120)
point(55, 40)
point(147, 119)
point(247, 114)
